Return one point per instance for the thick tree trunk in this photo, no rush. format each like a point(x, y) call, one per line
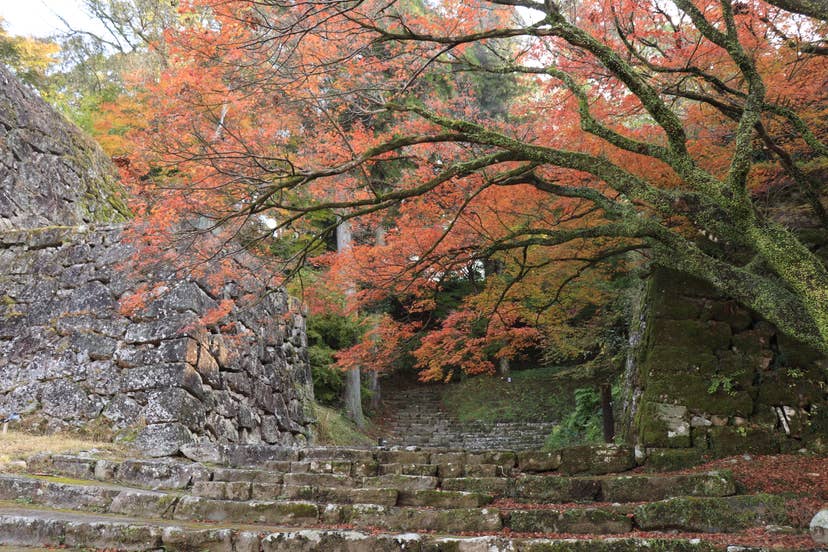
point(803, 271)
point(353, 389)
point(814, 8)
point(798, 305)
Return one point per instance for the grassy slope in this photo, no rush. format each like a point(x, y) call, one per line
point(540, 394)
point(16, 444)
point(333, 429)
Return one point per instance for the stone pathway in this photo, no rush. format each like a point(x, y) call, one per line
point(268, 499)
point(416, 417)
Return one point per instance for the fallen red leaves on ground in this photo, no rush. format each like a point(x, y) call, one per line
point(800, 474)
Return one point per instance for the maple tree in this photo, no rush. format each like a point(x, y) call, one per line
point(642, 127)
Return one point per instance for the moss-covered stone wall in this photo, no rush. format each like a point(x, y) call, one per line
point(707, 377)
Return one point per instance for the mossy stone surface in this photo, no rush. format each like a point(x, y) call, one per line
point(645, 488)
point(455, 520)
point(664, 425)
point(698, 335)
point(538, 461)
point(597, 459)
point(712, 515)
point(675, 459)
point(556, 489)
point(194, 508)
point(792, 386)
point(580, 520)
point(497, 486)
point(401, 482)
point(432, 498)
point(730, 440)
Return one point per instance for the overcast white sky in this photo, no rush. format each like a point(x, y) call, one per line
point(39, 17)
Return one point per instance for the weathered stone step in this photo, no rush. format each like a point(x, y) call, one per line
point(712, 515)
point(240, 491)
point(150, 474)
point(158, 505)
point(591, 521)
point(340, 495)
point(414, 509)
point(267, 464)
point(27, 527)
point(486, 473)
point(639, 488)
point(87, 497)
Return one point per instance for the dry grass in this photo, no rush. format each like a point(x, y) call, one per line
point(16, 445)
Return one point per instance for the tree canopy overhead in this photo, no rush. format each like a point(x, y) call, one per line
point(629, 126)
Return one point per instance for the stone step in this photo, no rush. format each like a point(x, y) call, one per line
point(27, 527)
point(293, 513)
point(339, 495)
point(639, 488)
point(416, 417)
point(150, 474)
point(415, 509)
point(178, 474)
point(488, 473)
point(590, 521)
point(712, 515)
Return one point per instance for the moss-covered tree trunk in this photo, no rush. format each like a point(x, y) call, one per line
point(803, 271)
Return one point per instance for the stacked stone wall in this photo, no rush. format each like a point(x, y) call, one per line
point(70, 359)
point(707, 377)
point(51, 173)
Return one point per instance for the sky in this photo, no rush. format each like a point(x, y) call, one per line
point(40, 17)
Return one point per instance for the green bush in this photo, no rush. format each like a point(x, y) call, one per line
point(328, 334)
point(583, 425)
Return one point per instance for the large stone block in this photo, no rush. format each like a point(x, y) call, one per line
point(163, 439)
point(174, 405)
point(556, 489)
point(712, 515)
point(579, 520)
point(597, 459)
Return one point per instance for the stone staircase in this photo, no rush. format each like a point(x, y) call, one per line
point(267, 499)
point(416, 417)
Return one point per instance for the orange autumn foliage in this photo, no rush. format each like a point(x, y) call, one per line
point(270, 113)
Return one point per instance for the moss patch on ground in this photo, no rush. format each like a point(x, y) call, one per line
point(540, 394)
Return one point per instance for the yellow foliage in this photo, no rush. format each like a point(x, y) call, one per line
point(30, 58)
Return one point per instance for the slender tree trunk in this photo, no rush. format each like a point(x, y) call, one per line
point(504, 367)
point(353, 398)
point(353, 388)
point(606, 413)
point(373, 378)
point(374, 385)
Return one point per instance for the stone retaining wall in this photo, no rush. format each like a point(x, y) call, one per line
point(706, 377)
point(51, 173)
point(70, 359)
